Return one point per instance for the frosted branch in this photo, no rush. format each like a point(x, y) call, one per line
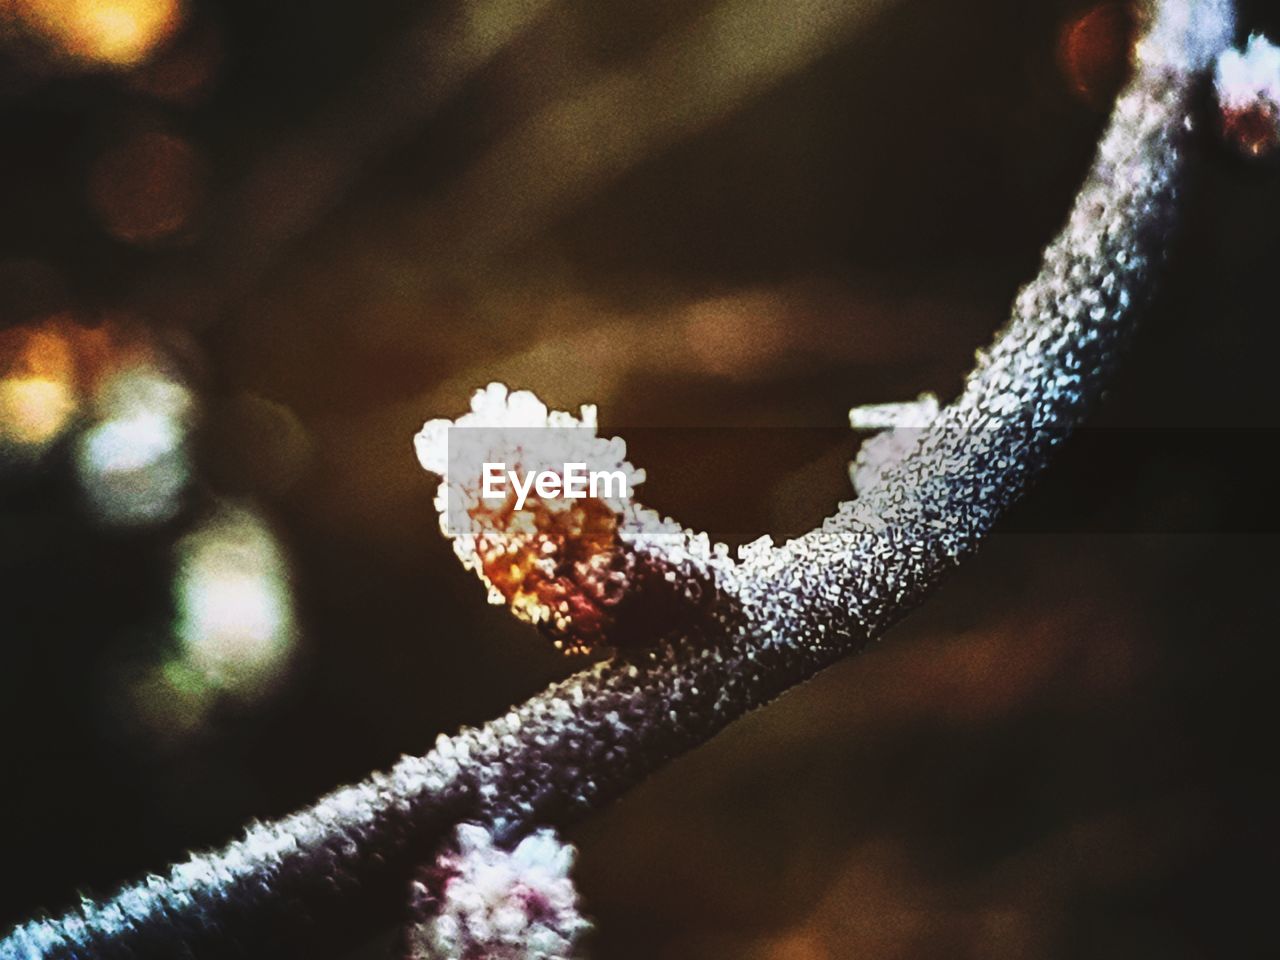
point(802, 605)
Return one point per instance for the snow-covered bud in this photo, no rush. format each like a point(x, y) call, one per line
point(481, 902)
point(580, 559)
point(1248, 86)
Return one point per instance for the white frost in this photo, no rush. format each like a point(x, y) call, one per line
point(1245, 77)
point(484, 901)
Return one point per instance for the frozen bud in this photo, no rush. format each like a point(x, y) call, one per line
point(1248, 86)
point(575, 555)
point(482, 901)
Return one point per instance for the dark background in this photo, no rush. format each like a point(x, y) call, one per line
point(1065, 754)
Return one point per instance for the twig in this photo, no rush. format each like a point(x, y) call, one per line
point(803, 605)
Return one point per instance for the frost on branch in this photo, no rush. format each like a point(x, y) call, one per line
point(803, 605)
point(481, 902)
point(1248, 86)
point(899, 426)
point(591, 572)
point(1183, 36)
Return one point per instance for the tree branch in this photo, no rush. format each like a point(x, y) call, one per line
point(799, 607)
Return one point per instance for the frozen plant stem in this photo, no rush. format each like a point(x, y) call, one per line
point(801, 606)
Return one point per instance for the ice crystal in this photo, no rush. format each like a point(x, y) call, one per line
point(901, 424)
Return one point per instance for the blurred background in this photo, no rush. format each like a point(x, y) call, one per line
point(248, 247)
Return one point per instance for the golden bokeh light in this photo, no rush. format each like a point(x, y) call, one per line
point(119, 33)
point(33, 410)
point(43, 351)
point(37, 390)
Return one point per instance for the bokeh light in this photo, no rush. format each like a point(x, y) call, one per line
point(233, 634)
point(1094, 50)
point(35, 409)
point(186, 70)
point(133, 464)
point(119, 33)
point(37, 389)
point(172, 700)
point(147, 188)
point(235, 608)
point(736, 335)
